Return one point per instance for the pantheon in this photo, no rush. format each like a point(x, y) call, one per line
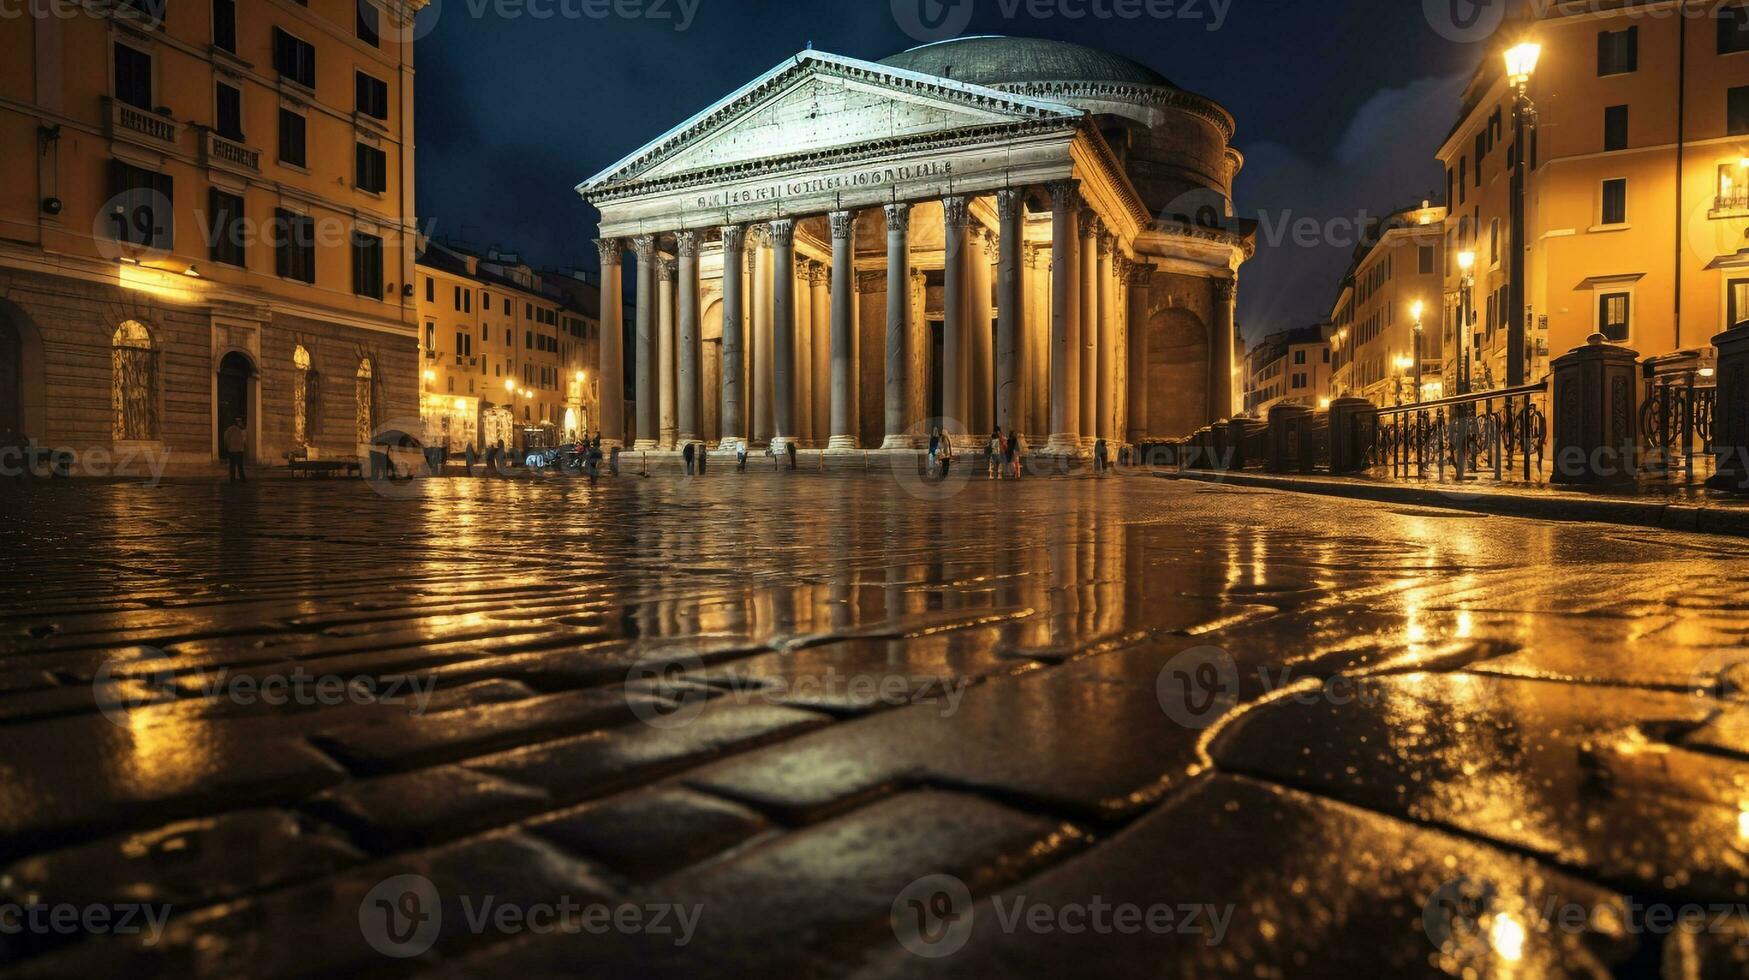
point(981, 232)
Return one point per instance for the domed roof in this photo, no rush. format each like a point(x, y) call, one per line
point(997, 61)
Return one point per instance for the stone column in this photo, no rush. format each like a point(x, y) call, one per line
point(898, 324)
point(666, 269)
point(1141, 274)
point(843, 322)
point(955, 327)
point(1221, 351)
point(1091, 326)
point(1065, 437)
point(1107, 372)
point(783, 332)
point(1008, 309)
point(981, 417)
point(759, 266)
point(687, 376)
point(819, 422)
point(612, 376)
point(804, 373)
point(733, 318)
point(645, 247)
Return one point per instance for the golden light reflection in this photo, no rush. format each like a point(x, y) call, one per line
point(168, 286)
point(1743, 821)
point(1506, 935)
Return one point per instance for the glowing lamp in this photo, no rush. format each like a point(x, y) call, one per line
point(1415, 310)
point(1521, 62)
point(1466, 261)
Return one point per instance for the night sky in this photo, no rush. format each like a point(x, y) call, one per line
point(1339, 106)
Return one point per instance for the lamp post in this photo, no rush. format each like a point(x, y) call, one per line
point(1415, 311)
point(1467, 268)
point(1521, 62)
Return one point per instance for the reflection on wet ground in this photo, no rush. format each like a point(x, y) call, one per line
point(1133, 727)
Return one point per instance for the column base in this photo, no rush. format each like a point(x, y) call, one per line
point(842, 444)
point(609, 445)
point(899, 441)
point(683, 439)
point(780, 444)
point(644, 446)
point(1062, 444)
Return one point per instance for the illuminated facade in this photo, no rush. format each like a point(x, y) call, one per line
point(1373, 346)
point(980, 232)
point(1638, 195)
point(506, 353)
point(1292, 367)
point(213, 221)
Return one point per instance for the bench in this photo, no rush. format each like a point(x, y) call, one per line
point(301, 464)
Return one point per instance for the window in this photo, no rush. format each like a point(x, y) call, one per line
point(291, 138)
point(228, 111)
point(373, 169)
point(1736, 302)
point(367, 22)
point(1615, 128)
point(1615, 202)
point(468, 301)
point(507, 306)
point(229, 230)
point(364, 403)
point(225, 25)
point(304, 396)
point(1612, 316)
point(1326, 355)
point(1481, 153)
point(371, 96)
point(133, 76)
point(430, 336)
point(1733, 29)
point(1494, 242)
point(456, 300)
point(1737, 111)
point(1426, 260)
point(1299, 357)
point(144, 209)
point(134, 385)
point(1733, 187)
point(1618, 52)
point(294, 245)
point(1463, 179)
point(430, 290)
point(294, 59)
point(367, 265)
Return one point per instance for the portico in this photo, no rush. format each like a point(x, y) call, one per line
point(871, 252)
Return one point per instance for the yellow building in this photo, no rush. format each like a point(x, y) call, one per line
point(1291, 367)
point(1635, 208)
point(207, 216)
point(507, 354)
point(1373, 347)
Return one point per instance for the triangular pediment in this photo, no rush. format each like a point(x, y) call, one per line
point(816, 103)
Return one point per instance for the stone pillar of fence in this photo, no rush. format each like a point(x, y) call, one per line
point(1290, 448)
point(1353, 422)
point(1594, 403)
point(1247, 442)
point(1731, 412)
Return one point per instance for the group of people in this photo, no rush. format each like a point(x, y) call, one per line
point(1002, 454)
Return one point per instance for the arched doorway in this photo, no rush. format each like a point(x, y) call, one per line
point(235, 391)
point(11, 382)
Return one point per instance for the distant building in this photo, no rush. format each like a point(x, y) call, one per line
point(1373, 347)
point(1290, 367)
point(208, 216)
point(507, 354)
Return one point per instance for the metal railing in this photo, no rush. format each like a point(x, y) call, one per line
point(1498, 432)
point(1676, 421)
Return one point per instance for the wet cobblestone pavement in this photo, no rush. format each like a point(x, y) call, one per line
point(815, 725)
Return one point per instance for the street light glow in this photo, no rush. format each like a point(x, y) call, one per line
point(1466, 261)
point(1521, 62)
point(1415, 310)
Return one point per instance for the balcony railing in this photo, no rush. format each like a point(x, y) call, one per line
point(128, 121)
point(228, 152)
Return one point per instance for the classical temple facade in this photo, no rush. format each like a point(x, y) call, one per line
point(981, 232)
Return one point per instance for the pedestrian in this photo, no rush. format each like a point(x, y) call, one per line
point(934, 446)
point(613, 462)
point(789, 450)
point(993, 454)
point(689, 454)
point(741, 456)
point(236, 441)
point(469, 457)
point(1016, 449)
point(704, 456)
point(941, 452)
point(1101, 456)
point(592, 461)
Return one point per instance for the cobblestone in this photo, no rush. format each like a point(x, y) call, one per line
point(1373, 737)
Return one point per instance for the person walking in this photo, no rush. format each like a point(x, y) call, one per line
point(1101, 457)
point(236, 441)
point(1016, 449)
point(469, 458)
point(741, 456)
point(993, 453)
point(704, 457)
point(689, 454)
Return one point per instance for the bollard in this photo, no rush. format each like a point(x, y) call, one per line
point(1247, 442)
point(1289, 429)
point(1353, 425)
point(1731, 412)
point(1595, 402)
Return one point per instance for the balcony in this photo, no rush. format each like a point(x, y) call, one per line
point(131, 123)
point(216, 150)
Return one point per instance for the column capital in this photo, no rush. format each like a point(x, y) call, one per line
point(1226, 289)
point(816, 271)
point(1140, 273)
point(898, 216)
point(992, 244)
point(686, 244)
point(734, 238)
point(843, 224)
point(783, 231)
point(1107, 242)
point(1090, 227)
point(1065, 194)
point(956, 211)
point(645, 247)
point(666, 268)
point(1009, 202)
point(612, 250)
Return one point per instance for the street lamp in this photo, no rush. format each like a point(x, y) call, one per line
point(1467, 266)
point(1521, 62)
point(1415, 310)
